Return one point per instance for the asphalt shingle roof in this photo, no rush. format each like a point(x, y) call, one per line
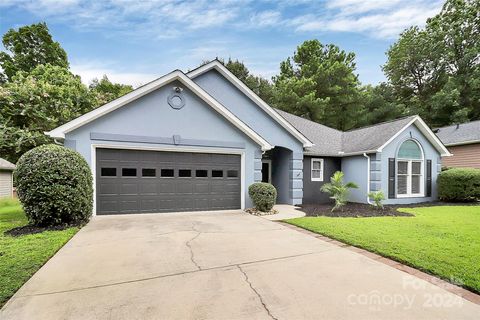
point(332, 142)
point(461, 133)
point(5, 165)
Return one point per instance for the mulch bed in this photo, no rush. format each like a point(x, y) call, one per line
point(256, 212)
point(350, 210)
point(29, 229)
point(365, 210)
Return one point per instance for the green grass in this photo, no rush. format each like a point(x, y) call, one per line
point(444, 240)
point(21, 257)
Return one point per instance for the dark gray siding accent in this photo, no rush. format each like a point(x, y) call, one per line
point(311, 189)
point(391, 178)
point(132, 181)
point(174, 140)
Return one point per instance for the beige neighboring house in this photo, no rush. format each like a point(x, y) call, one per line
point(6, 178)
point(463, 142)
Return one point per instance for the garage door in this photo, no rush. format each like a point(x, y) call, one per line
point(137, 181)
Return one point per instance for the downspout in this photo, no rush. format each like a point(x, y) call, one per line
point(56, 142)
point(368, 177)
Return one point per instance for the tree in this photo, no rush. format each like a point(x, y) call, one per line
point(30, 46)
point(320, 84)
point(35, 102)
point(105, 91)
point(380, 104)
point(435, 71)
point(261, 86)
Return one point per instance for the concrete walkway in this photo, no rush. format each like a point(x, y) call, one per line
point(285, 211)
point(224, 265)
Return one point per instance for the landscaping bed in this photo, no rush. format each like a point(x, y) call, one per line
point(350, 210)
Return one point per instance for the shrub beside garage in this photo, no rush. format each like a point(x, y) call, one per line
point(54, 185)
point(263, 196)
point(459, 185)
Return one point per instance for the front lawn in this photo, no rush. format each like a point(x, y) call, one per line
point(22, 256)
point(444, 240)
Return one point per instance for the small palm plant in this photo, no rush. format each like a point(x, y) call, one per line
point(377, 197)
point(338, 190)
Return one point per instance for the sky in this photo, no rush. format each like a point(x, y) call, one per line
point(136, 41)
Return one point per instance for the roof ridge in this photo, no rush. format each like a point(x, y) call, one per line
point(380, 123)
point(320, 124)
point(456, 124)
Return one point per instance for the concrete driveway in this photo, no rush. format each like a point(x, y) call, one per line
point(223, 265)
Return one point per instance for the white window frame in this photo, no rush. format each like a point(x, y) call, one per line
point(409, 174)
point(322, 168)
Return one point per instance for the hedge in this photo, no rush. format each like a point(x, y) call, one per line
point(54, 185)
point(263, 196)
point(459, 185)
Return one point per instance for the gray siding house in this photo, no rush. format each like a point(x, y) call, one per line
point(197, 140)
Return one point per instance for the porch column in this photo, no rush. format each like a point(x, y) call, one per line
point(296, 178)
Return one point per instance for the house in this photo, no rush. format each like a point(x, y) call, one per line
point(463, 141)
point(197, 140)
point(6, 178)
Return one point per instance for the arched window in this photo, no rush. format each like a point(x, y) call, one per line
point(410, 170)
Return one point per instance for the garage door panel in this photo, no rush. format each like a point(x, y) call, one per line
point(173, 181)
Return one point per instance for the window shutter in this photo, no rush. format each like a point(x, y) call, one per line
point(429, 178)
point(391, 178)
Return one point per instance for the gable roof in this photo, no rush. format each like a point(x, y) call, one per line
point(218, 66)
point(60, 132)
point(6, 165)
point(332, 142)
point(458, 134)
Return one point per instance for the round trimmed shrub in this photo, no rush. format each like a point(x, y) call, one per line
point(263, 196)
point(54, 185)
point(459, 185)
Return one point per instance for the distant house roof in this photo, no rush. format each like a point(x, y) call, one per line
point(332, 142)
point(6, 165)
point(464, 133)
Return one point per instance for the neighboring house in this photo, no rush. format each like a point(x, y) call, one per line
point(6, 178)
point(196, 141)
point(463, 141)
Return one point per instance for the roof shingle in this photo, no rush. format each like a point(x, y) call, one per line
point(332, 142)
point(458, 134)
point(6, 165)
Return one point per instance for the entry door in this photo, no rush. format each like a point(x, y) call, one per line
point(138, 181)
point(267, 171)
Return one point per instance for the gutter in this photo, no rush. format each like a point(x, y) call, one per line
point(368, 177)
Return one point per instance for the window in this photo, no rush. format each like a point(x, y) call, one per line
point(147, 172)
point(108, 172)
point(201, 173)
point(317, 170)
point(129, 172)
point(410, 170)
point(232, 173)
point(184, 173)
point(166, 173)
point(217, 173)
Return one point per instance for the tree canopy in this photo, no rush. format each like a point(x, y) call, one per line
point(28, 47)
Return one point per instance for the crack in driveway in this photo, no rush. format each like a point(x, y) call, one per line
point(192, 256)
point(256, 292)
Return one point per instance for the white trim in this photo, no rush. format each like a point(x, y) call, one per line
point(427, 132)
point(321, 170)
point(93, 164)
point(173, 76)
point(269, 169)
point(368, 177)
point(215, 64)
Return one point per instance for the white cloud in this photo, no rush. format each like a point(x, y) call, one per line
point(266, 18)
point(91, 70)
point(378, 18)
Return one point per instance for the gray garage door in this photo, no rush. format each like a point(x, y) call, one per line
point(134, 181)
